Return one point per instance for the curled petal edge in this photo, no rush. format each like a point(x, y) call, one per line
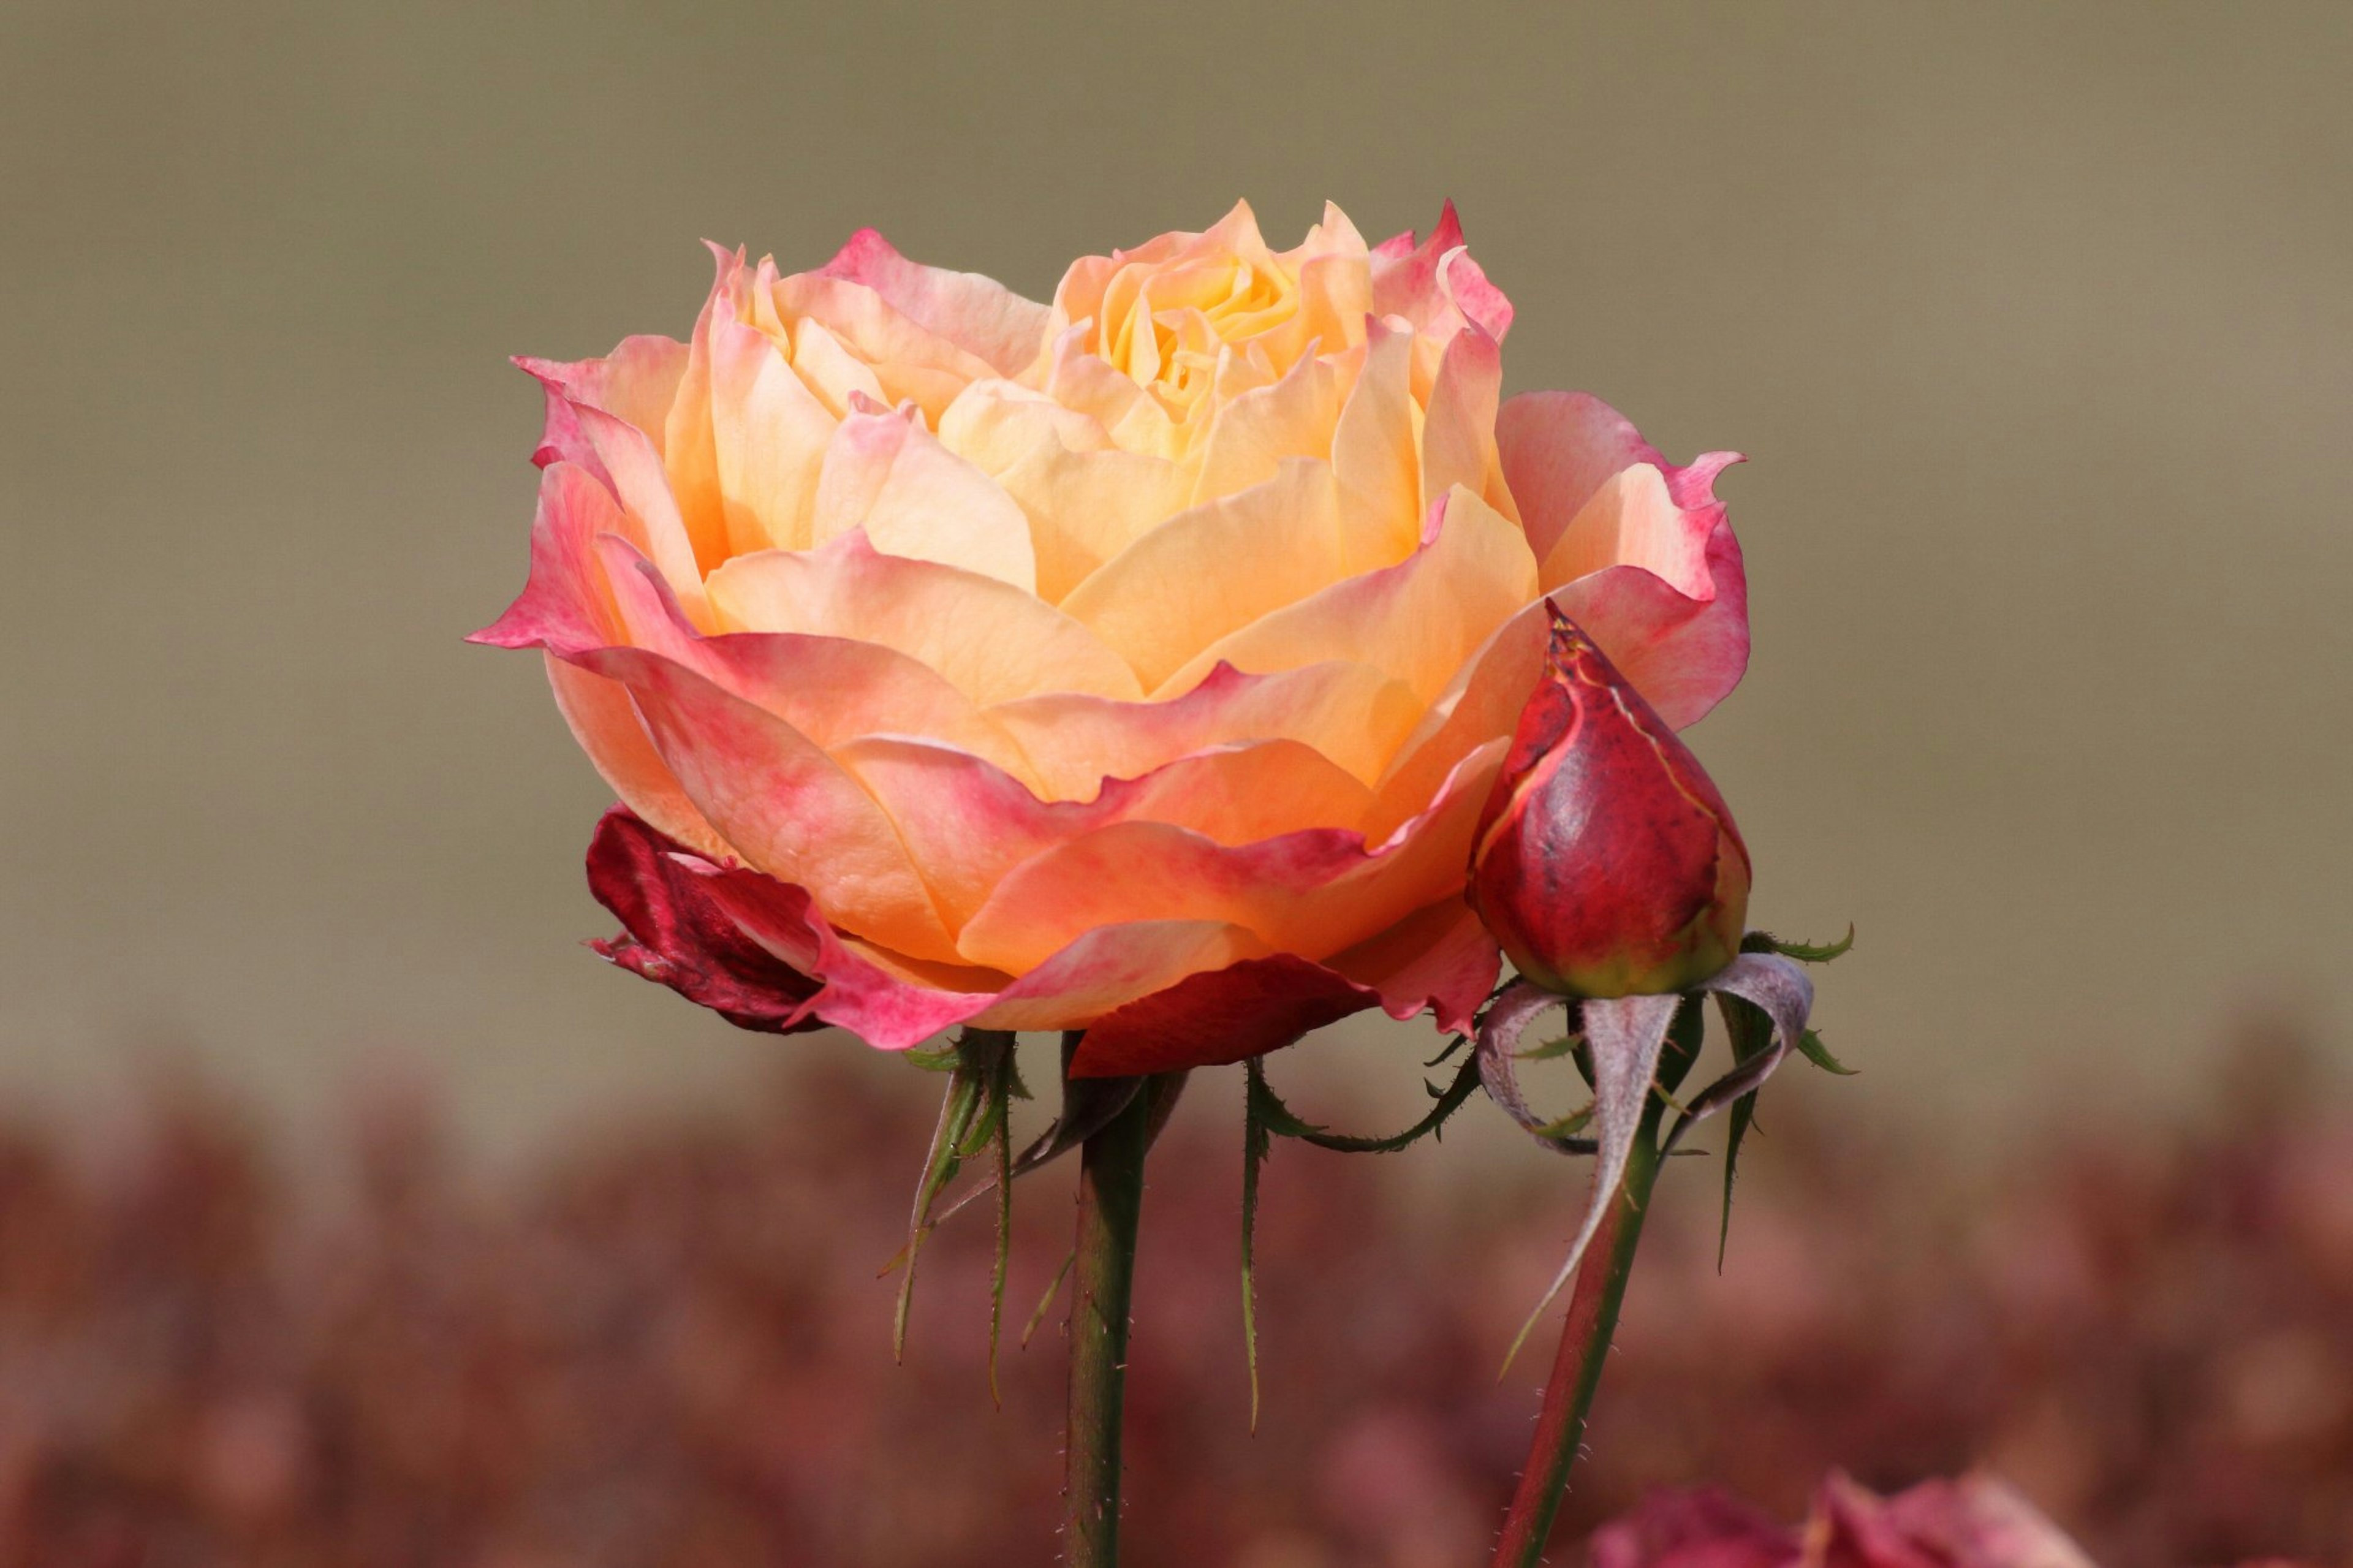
point(757, 952)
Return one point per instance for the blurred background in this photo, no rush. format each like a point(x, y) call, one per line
point(2033, 320)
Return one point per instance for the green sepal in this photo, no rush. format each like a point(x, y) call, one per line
point(1551, 1049)
point(1046, 1302)
point(1810, 1044)
point(1283, 1123)
point(979, 1054)
point(1803, 952)
point(1258, 1142)
point(1750, 1029)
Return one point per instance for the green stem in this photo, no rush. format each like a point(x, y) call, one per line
point(1584, 1348)
point(1110, 1198)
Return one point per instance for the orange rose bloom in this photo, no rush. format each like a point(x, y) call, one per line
point(1138, 663)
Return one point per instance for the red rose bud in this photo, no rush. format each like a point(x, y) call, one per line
point(1606, 864)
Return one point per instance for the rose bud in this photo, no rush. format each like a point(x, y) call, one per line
point(1605, 863)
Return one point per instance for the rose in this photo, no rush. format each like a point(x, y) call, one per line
point(1138, 663)
point(1607, 863)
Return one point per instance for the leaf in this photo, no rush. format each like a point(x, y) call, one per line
point(1810, 1044)
point(1803, 952)
point(1257, 1143)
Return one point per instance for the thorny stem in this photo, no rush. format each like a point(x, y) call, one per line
point(1584, 1348)
point(1110, 1198)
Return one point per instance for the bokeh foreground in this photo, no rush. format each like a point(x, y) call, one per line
point(671, 1349)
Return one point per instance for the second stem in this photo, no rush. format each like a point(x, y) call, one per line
point(1110, 1200)
point(1584, 1350)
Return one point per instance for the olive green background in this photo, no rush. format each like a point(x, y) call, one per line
point(2036, 320)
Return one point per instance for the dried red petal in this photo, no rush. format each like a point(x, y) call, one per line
point(1607, 864)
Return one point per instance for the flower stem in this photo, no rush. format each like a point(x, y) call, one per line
point(1110, 1198)
point(1584, 1348)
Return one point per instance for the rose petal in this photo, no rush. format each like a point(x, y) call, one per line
point(769, 435)
point(977, 314)
point(1376, 461)
point(1215, 569)
point(780, 803)
point(885, 474)
point(565, 604)
point(966, 823)
point(638, 382)
point(1313, 894)
point(1419, 283)
point(1250, 435)
point(990, 641)
point(1458, 436)
point(1416, 621)
point(605, 723)
point(1350, 712)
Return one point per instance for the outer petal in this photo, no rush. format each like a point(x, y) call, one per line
point(967, 823)
point(565, 604)
point(1313, 894)
point(637, 382)
point(605, 723)
point(759, 952)
point(1440, 959)
point(1671, 612)
point(1353, 714)
point(977, 314)
point(1436, 285)
point(992, 641)
point(780, 803)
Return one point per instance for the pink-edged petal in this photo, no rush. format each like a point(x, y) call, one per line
point(1314, 892)
point(1436, 285)
point(565, 604)
point(912, 363)
point(1684, 655)
point(1353, 714)
point(627, 456)
point(1214, 569)
point(977, 314)
point(605, 723)
point(1104, 969)
point(992, 641)
point(1439, 960)
point(1416, 621)
point(832, 690)
point(885, 474)
point(967, 823)
point(780, 803)
point(638, 382)
point(1458, 437)
point(1559, 448)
